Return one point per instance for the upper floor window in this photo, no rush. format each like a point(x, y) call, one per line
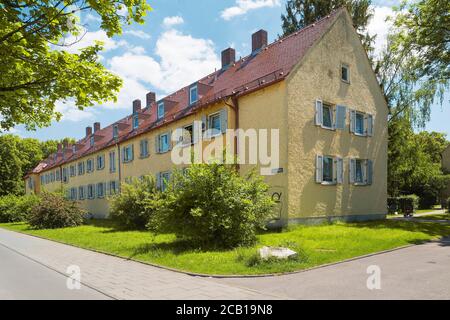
point(135, 121)
point(193, 94)
point(144, 148)
point(128, 153)
point(160, 110)
point(72, 170)
point(330, 116)
point(163, 143)
point(90, 165)
point(80, 168)
point(345, 73)
point(112, 161)
point(100, 162)
point(361, 123)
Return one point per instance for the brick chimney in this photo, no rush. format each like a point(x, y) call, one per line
point(88, 131)
point(59, 147)
point(65, 144)
point(228, 57)
point(150, 98)
point(96, 126)
point(136, 105)
point(259, 40)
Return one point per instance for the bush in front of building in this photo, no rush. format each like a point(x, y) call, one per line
point(136, 202)
point(16, 208)
point(55, 211)
point(211, 205)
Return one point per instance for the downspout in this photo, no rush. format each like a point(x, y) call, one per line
point(235, 107)
point(119, 171)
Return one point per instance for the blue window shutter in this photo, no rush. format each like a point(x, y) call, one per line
point(341, 112)
point(223, 120)
point(319, 169)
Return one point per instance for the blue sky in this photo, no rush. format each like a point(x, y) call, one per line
point(180, 42)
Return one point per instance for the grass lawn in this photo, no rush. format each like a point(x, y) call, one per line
point(444, 216)
point(317, 245)
point(417, 211)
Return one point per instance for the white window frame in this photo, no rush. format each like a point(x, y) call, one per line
point(100, 186)
point(142, 154)
point(160, 106)
point(92, 188)
point(82, 166)
point(92, 164)
point(346, 67)
point(363, 115)
point(127, 159)
point(102, 162)
point(115, 131)
point(135, 121)
point(333, 170)
point(193, 88)
point(160, 142)
point(81, 195)
point(366, 171)
point(337, 168)
point(332, 116)
point(213, 132)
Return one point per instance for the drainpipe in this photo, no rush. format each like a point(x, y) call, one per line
point(119, 172)
point(235, 107)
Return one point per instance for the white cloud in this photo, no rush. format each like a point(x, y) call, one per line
point(243, 6)
point(71, 113)
point(169, 22)
point(182, 59)
point(379, 26)
point(75, 44)
point(138, 33)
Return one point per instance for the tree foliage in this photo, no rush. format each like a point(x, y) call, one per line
point(19, 156)
point(36, 69)
point(300, 13)
point(414, 69)
point(414, 162)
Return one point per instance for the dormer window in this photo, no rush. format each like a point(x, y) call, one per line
point(92, 140)
point(135, 121)
point(74, 148)
point(160, 110)
point(193, 94)
point(345, 73)
point(115, 131)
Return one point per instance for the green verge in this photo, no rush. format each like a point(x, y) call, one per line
point(444, 216)
point(317, 245)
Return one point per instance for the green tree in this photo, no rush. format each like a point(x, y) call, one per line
point(414, 70)
point(11, 166)
point(37, 71)
point(300, 13)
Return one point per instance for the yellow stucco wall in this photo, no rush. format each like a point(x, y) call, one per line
point(318, 77)
point(267, 109)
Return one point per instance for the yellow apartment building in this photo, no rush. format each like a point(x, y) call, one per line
point(316, 87)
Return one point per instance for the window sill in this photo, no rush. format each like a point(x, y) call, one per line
point(328, 183)
point(162, 152)
point(360, 184)
point(328, 128)
point(129, 161)
point(144, 156)
point(345, 81)
point(99, 169)
point(360, 134)
point(112, 171)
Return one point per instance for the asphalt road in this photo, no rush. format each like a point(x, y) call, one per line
point(24, 279)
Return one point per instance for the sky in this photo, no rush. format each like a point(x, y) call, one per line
point(179, 43)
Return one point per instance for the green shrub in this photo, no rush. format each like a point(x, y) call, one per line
point(127, 208)
point(393, 205)
point(212, 205)
point(55, 211)
point(409, 201)
point(16, 208)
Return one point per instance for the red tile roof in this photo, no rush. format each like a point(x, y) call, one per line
point(271, 64)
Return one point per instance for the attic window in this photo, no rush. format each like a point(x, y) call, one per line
point(193, 94)
point(92, 141)
point(136, 121)
point(115, 131)
point(74, 148)
point(345, 73)
point(160, 110)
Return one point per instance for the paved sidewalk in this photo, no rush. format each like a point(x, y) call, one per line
point(120, 278)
